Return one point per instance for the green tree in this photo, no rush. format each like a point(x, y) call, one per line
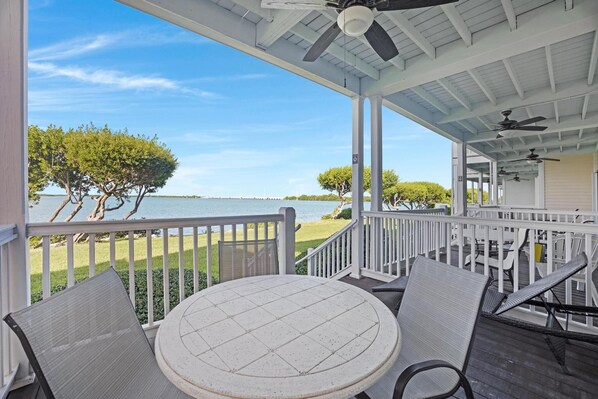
point(337, 180)
point(415, 195)
point(38, 179)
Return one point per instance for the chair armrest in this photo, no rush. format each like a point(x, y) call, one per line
point(417, 368)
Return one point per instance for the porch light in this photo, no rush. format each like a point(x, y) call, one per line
point(355, 21)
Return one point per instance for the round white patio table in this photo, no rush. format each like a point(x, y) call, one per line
point(280, 336)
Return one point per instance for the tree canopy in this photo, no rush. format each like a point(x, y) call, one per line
point(415, 195)
point(111, 164)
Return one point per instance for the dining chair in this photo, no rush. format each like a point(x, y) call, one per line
point(86, 342)
point(247, 258)
point(438, 316)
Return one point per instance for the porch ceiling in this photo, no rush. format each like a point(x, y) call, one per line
point(459, 65)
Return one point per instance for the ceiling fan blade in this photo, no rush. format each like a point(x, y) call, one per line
point(550, 159)
point(518, 160)
point(392, 5)
point(322, 43)
point(381, 42)
point(531, 120)
point(297, 4)
point(530, 128)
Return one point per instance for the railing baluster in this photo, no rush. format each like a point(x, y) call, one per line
point(590, 288)
point(486, 250)
point(501, 277)
point(46, 267)
point(549, 259)
point(449, 242)
point(461, 244)
point(195, 261)
point(181, 237)
point(113, 250)
point(92, 255)
point(70, 261)
point(150, 278)
point(131, 266)
point(568, 256)
point(245, 250)
point(515, 270)
point(209, 255)
point(437, 238)
point(472, 248)
point(165, 271)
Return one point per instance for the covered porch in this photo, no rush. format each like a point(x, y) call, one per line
point(459, 66)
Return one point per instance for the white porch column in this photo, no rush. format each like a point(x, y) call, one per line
point(494, 184)
point(376, 131)
point(286, 242)
point(539, 187)
point(13, 157)
point(480, 188)
point(357, 188)
point(459, 179)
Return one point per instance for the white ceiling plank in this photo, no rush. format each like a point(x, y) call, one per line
point(560, 136)
point(540, 139)
point(310, 35)
point(553, 143)
point(541, 96)
point(433, 101)
point(514, 77)
point(568, 5)
point(537, 28)
point(522, 140)
point(568, 123)
point(550, 68)
point(397, 61)
point(483, 122)
point(584, 108)
point(556, 112)
point(412, 33)
point(554, 152)
point(283, 20)
point(217, 23)
point(468, 126)
point(593, 60)
point(507, 5)
point(255, 7)
point(453, 91)
point(458, 22)
point(483, 86)
point(580, 133)
point(528, 110)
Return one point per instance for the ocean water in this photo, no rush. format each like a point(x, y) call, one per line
point(176, 207)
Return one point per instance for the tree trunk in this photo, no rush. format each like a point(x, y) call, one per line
point(75, 211)
point(140, 196)
point(339, 209)
point(59, 209)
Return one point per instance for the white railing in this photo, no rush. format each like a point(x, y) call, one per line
point(430, 211)
point(121, 241)
point(7, 368)
point(332, 258)
point(539, 215)
point(394, 239)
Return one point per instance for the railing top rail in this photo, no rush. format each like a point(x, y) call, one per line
point(109, 226)
point(536, 210)
point(526, 224)
point(8, 232)
point(328, 241)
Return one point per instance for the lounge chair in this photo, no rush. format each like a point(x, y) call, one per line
point(555, 334)
point(438, 316)
point(238, 259)
point(86, 342)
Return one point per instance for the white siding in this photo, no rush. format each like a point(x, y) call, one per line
point(520, 194)
point(568, 184)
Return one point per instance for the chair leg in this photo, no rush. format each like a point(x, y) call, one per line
point(557, 345)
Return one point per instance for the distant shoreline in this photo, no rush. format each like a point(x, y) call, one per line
point(320, 197)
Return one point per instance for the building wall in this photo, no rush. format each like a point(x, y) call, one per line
point(568, 184)
point(522, 194)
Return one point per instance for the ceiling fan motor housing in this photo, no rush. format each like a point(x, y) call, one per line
point(355, 20)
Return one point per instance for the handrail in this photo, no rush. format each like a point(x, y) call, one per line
point(331, 239)
point(111, 226)
point(8, 233)
point(526, 224)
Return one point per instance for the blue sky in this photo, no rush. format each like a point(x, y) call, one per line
point(239, 126)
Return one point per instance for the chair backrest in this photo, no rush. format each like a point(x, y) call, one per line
point(238, 259)
point(86, 341)
point(514, 249)
point(439, 312)
point(578, 242)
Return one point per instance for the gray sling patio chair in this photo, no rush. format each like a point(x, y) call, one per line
point(438, 316)
point(238, 259)
point(86, 342)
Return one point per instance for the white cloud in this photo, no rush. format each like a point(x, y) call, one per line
point(229, 78)
point(114, 78)
point(72, 48)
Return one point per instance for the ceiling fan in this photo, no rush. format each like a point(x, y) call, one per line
point(503, 172)
point(356, 18)
point(535, 158)
point(518, 179)
point(511, 124)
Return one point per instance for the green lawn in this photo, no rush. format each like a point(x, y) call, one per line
point(310, 235)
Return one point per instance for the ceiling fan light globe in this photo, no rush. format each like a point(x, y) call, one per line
point(355, 21)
